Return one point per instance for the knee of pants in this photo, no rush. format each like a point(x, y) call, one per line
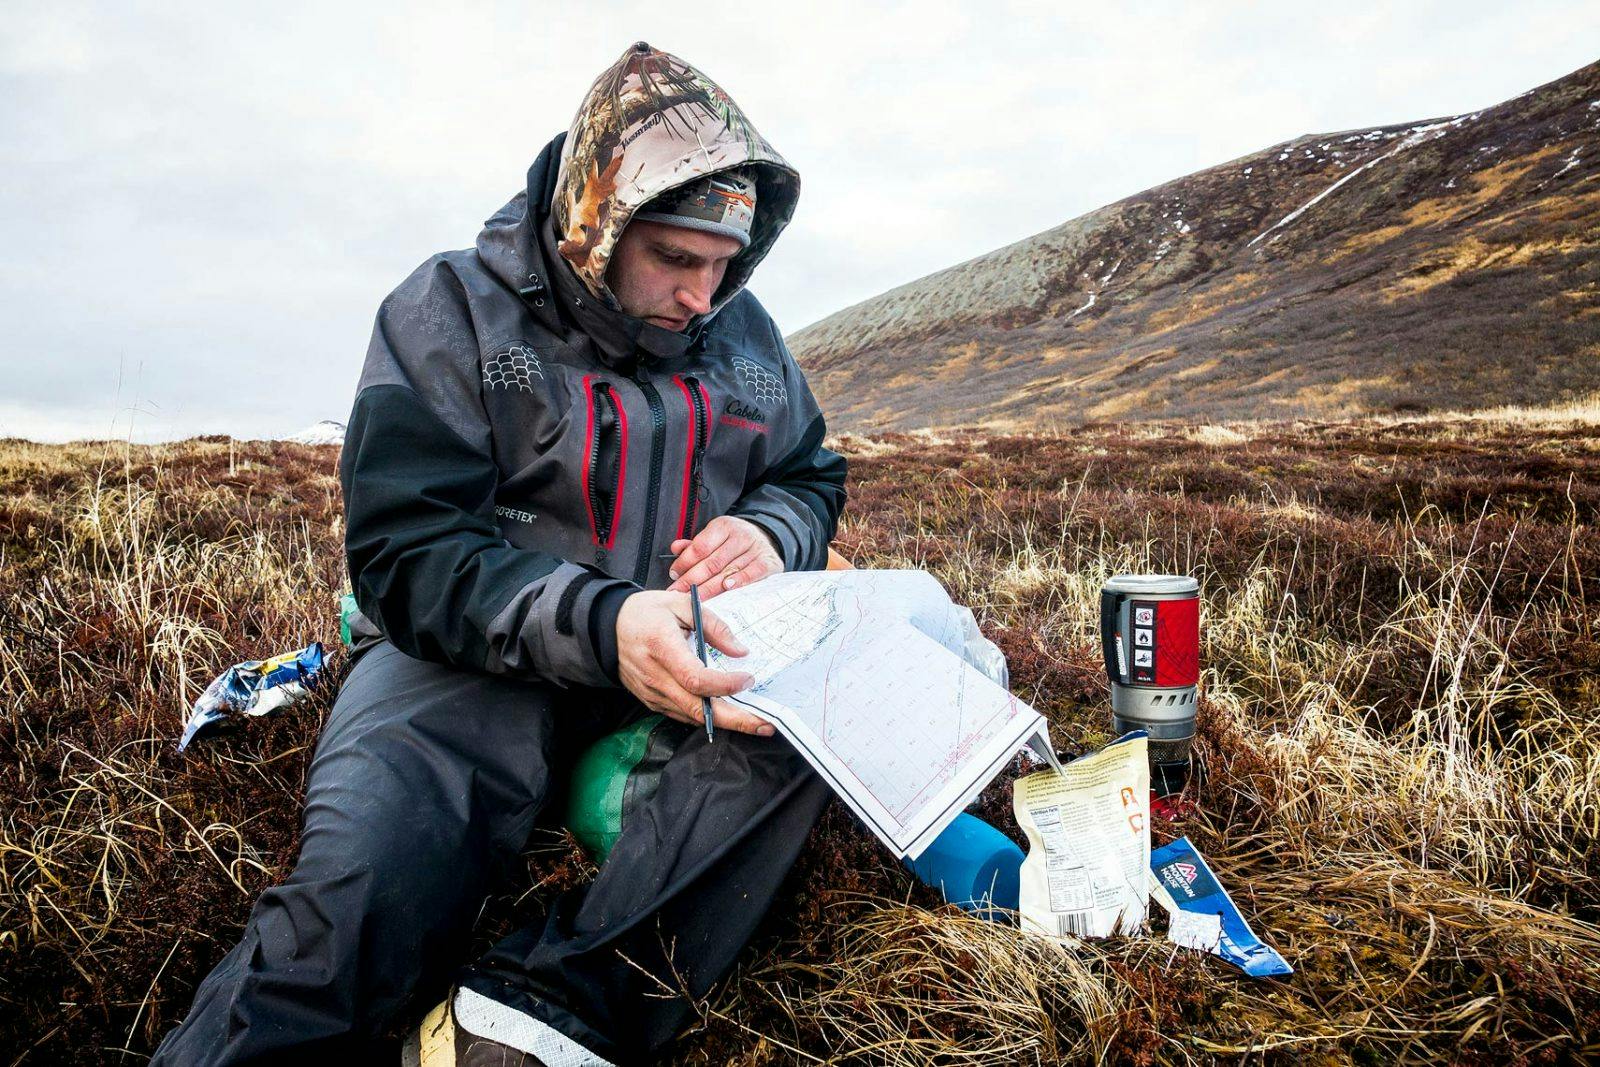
point(731, 779)
point(401, 846)
point(768, 761)
point(423, 759)
point(414, 804)
point(392, 803)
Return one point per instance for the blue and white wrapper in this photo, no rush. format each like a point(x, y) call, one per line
point(1202, 914)
point(257, 687)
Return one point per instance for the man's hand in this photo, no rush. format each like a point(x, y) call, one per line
point(728, 553)
point(656, 665)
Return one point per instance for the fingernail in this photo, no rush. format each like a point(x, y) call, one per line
point(765, 731)
point(673, 575)
point(728, 583)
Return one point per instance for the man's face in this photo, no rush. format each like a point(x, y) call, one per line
point(667, 274)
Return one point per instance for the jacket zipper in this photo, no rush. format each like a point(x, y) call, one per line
point(658, 448)
point(694, 395)
point(602, 512)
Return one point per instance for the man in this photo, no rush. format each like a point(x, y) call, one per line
point(555, 433)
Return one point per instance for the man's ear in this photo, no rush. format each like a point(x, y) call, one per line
point(616, 253)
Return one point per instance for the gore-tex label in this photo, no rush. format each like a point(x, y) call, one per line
point(1143, 614)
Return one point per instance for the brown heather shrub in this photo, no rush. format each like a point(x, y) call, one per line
point(1399, 727)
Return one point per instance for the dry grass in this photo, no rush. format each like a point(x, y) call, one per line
point(128, 577)
point(1399, 723)
point(1580, 411)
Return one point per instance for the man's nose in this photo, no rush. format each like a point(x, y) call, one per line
point(696, 294)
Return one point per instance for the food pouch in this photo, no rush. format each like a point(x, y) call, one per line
point(1088, 829)
point(1203, 915)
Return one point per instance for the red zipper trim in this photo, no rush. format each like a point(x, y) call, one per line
point(705, 397)
point(588, 456)
point(684, 531)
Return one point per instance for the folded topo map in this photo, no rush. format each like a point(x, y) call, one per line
point(866, 673)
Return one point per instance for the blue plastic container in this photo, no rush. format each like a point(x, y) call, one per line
point(975, 866)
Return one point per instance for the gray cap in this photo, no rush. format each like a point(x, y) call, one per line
point(723, 203)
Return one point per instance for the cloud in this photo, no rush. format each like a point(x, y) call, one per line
point(219, 197)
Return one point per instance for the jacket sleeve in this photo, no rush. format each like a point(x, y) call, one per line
point(427, 561)
point(798, 498)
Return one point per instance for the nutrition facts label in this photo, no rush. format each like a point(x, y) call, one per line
point(1069, 884)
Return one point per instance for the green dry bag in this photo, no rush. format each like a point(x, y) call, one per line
point(614, 775)
point(347, 608)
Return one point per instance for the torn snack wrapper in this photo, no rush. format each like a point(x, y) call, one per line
point(1203, 916)
point(255, 687)
point(1088, 830)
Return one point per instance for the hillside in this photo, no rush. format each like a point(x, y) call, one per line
point(1446, 263)
point(1399, 717)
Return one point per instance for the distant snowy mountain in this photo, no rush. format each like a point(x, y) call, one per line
point(326, 432)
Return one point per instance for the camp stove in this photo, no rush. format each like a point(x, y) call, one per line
point(1150, 632)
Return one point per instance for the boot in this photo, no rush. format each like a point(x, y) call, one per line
point(445, 1040)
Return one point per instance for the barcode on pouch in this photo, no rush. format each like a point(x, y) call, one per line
point(1074, 924)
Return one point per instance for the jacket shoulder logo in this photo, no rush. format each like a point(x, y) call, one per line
point(512, 367)
point(761, 382)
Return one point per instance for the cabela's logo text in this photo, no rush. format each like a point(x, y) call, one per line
point(744, 416)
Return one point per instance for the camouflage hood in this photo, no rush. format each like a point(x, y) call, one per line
point(651, 123)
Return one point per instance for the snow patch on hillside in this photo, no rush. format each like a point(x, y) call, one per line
point(326, 432)
point(1416, 135)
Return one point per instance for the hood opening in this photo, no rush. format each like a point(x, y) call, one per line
point(649, 124)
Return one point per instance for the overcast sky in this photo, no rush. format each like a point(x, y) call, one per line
point(203, 204)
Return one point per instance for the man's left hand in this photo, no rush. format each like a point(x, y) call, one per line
point(728, 553)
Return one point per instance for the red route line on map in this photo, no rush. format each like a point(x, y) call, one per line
point(960, 750)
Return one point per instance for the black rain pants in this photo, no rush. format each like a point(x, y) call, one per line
point(424, 788)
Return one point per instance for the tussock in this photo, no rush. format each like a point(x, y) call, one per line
point(1216, 434)
point(916, 986)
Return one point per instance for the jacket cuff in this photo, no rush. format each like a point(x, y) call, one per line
point(766, 531)
point(603, 629)
point(549, 629)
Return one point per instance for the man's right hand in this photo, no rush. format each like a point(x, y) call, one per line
point(656, 665)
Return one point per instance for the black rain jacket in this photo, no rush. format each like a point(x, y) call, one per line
point(521, 452)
